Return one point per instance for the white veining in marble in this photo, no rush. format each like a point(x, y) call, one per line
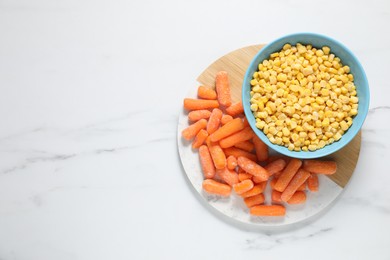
point(90, 93)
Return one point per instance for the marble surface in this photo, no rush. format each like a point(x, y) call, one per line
point(90, 93)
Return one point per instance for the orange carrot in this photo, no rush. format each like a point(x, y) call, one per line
point(323, 167)
point(214, 120)
point(257, 189)
point(223, 88)
point(241, 136)
point(245, 121)
point(206, 162)
point(231, 162)
point(254, 200)
point(198, 104)
point(198, 115)
point(246, 145)
point(257, 179)
point(268, 210)
point(299, 178)
point(191, 131)
point(235, 109)
point(244, 176)
point(275, 166)
point(238, 152)
point(243, 186)
point(214, 187)
point(228, 129)
point(218, 155)
point(275, 196)
point(298, 197)
point(302, 187)
point(225, 119)
point(312, 182)
point(228, 176)
point(287, 174)
point(277, 174)
point(208, 142)
point(261, 149)
point(199, 139)
point(206, 93)
point(273, 182)
point(253, 168)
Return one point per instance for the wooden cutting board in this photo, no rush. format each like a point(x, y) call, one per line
point(236, 63)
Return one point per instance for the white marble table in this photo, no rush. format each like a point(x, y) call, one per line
point(90, 93)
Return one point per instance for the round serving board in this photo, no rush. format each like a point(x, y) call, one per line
point(233, 208)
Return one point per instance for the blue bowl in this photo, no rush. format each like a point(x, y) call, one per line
point(347, 58)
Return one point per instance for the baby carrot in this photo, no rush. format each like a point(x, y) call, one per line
point(214, 187)
point(241, 136)
point(225, 119)
point(191, 131)
point(268, 210)
point(198, 104)
point(235, 109)
point(312, 182)
point(275, 166)
point(261, 149)
point(229, 128)
point(302, 187)
point(206, 162)
point(244, 176)
point(298, 197)
point(254, 200)
point(275, 196)
point(214, 121)
point(287, 174)
point(273, 182)
point(299, 178)
point(277, 174)
point(246, 145)
point(198, 115)
point(323, 167)
point(238, 152)
point(231, 162)
point(218, 156)
point(245, 121)
point(206, 93)
point(228, 176)
point(252, 168)
point(199, 138)
point(243, 186)
point(223, 88)
point(257, 189)
point(257, 179)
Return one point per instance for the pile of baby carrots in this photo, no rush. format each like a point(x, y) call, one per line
point(234, 158)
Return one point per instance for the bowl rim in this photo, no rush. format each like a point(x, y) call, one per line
point(302, 154)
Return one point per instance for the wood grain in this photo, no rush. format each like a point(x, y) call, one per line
point(236, 63)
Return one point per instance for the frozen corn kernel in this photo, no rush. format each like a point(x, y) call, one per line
point(326, 50)
point(303, 97)
point(344, 125)
point(285, 131)
point(254, 107)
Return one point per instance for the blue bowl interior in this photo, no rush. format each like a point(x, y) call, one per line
point(347, 58)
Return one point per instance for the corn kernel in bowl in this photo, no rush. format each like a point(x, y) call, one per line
point(303, 98)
